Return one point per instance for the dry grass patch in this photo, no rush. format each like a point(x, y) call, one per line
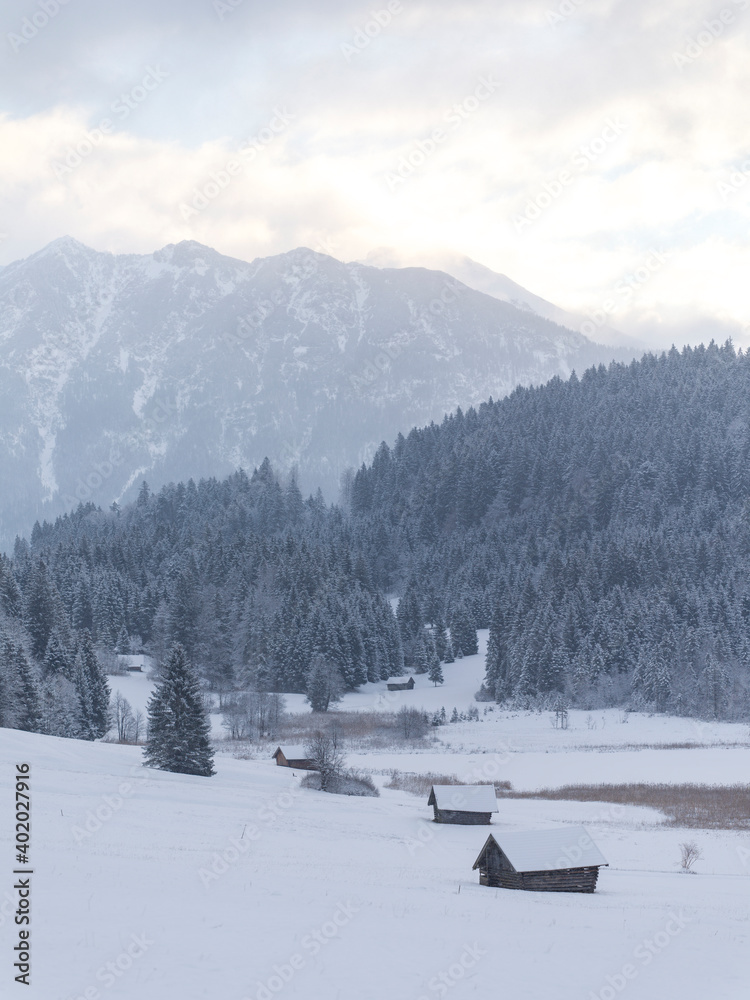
point(704, 807)
point(377, 730)
point(420, 784)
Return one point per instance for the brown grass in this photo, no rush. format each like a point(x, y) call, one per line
point(420, 784)
point(705, 807)
point(372, 729)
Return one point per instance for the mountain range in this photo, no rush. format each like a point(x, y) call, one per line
point(185, 362)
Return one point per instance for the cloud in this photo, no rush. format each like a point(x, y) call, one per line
point(368, 94)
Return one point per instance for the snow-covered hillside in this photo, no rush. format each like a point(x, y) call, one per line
point(154, 886)
point(188, 363)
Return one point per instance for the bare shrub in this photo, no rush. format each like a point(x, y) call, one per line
point(365, 729)
point(326, 756)
point(123, 716)
point(689, 854)
point(484, 694)
point(413, 723)
point(249, 715)
point(349, 782)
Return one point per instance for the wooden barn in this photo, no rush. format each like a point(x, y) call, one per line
point(292, 756)
point(563, 860)
point(400, 683)
point(470, 805)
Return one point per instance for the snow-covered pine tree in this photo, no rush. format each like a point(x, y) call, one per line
point(178, 730)
point(123, 642)
point(324, 684)
point(28, 704)
point(435, 672)
point(39, 611)
point(57, 657)
point(714, 687)
point(464, 630)
point(93, 689)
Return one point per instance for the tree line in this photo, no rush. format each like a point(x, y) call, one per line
point(599, 527)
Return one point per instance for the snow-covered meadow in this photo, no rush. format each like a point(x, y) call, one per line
point(155, 886)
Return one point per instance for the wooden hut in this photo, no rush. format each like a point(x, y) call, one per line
point(400, 683)
point(470, 805)
point(562, 860)
point(292, 756)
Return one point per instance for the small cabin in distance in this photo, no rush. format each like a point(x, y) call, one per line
point(400, 683)
point(135, 663)
point(467, 805)
point(562, 860)
point(292, 756)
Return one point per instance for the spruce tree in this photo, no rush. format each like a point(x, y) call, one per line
point(28, 703)
point(57, 658)
point(435, 673)
point(178, 729)
point(93, 689)
point(40, 610)
point(324, 684)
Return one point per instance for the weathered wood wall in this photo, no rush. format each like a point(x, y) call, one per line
point(563, 880)
point(462, 818)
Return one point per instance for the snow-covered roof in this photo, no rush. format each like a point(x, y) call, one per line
point(292, 751)
point(400, 680)
point(464, 798)
point(548, 850)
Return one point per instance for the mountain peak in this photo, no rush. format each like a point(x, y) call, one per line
point(63, 244)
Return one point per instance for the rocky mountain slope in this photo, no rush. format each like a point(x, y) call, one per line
point(184, 362)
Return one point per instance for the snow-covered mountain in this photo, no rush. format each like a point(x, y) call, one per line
point(184, 362)
point(500, 286)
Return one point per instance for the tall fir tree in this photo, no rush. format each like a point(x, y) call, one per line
point(93, 689)
point(28, 702)
point(178, 729)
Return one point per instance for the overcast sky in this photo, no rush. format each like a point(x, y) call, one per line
point(592, 150)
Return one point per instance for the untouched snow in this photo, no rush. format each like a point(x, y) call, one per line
point(237, 883)
point(247, 887)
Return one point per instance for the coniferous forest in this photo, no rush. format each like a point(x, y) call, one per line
point(599, 527)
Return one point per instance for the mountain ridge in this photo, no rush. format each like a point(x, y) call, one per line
point(186, 362)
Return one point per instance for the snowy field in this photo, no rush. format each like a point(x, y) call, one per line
point(152, 886)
